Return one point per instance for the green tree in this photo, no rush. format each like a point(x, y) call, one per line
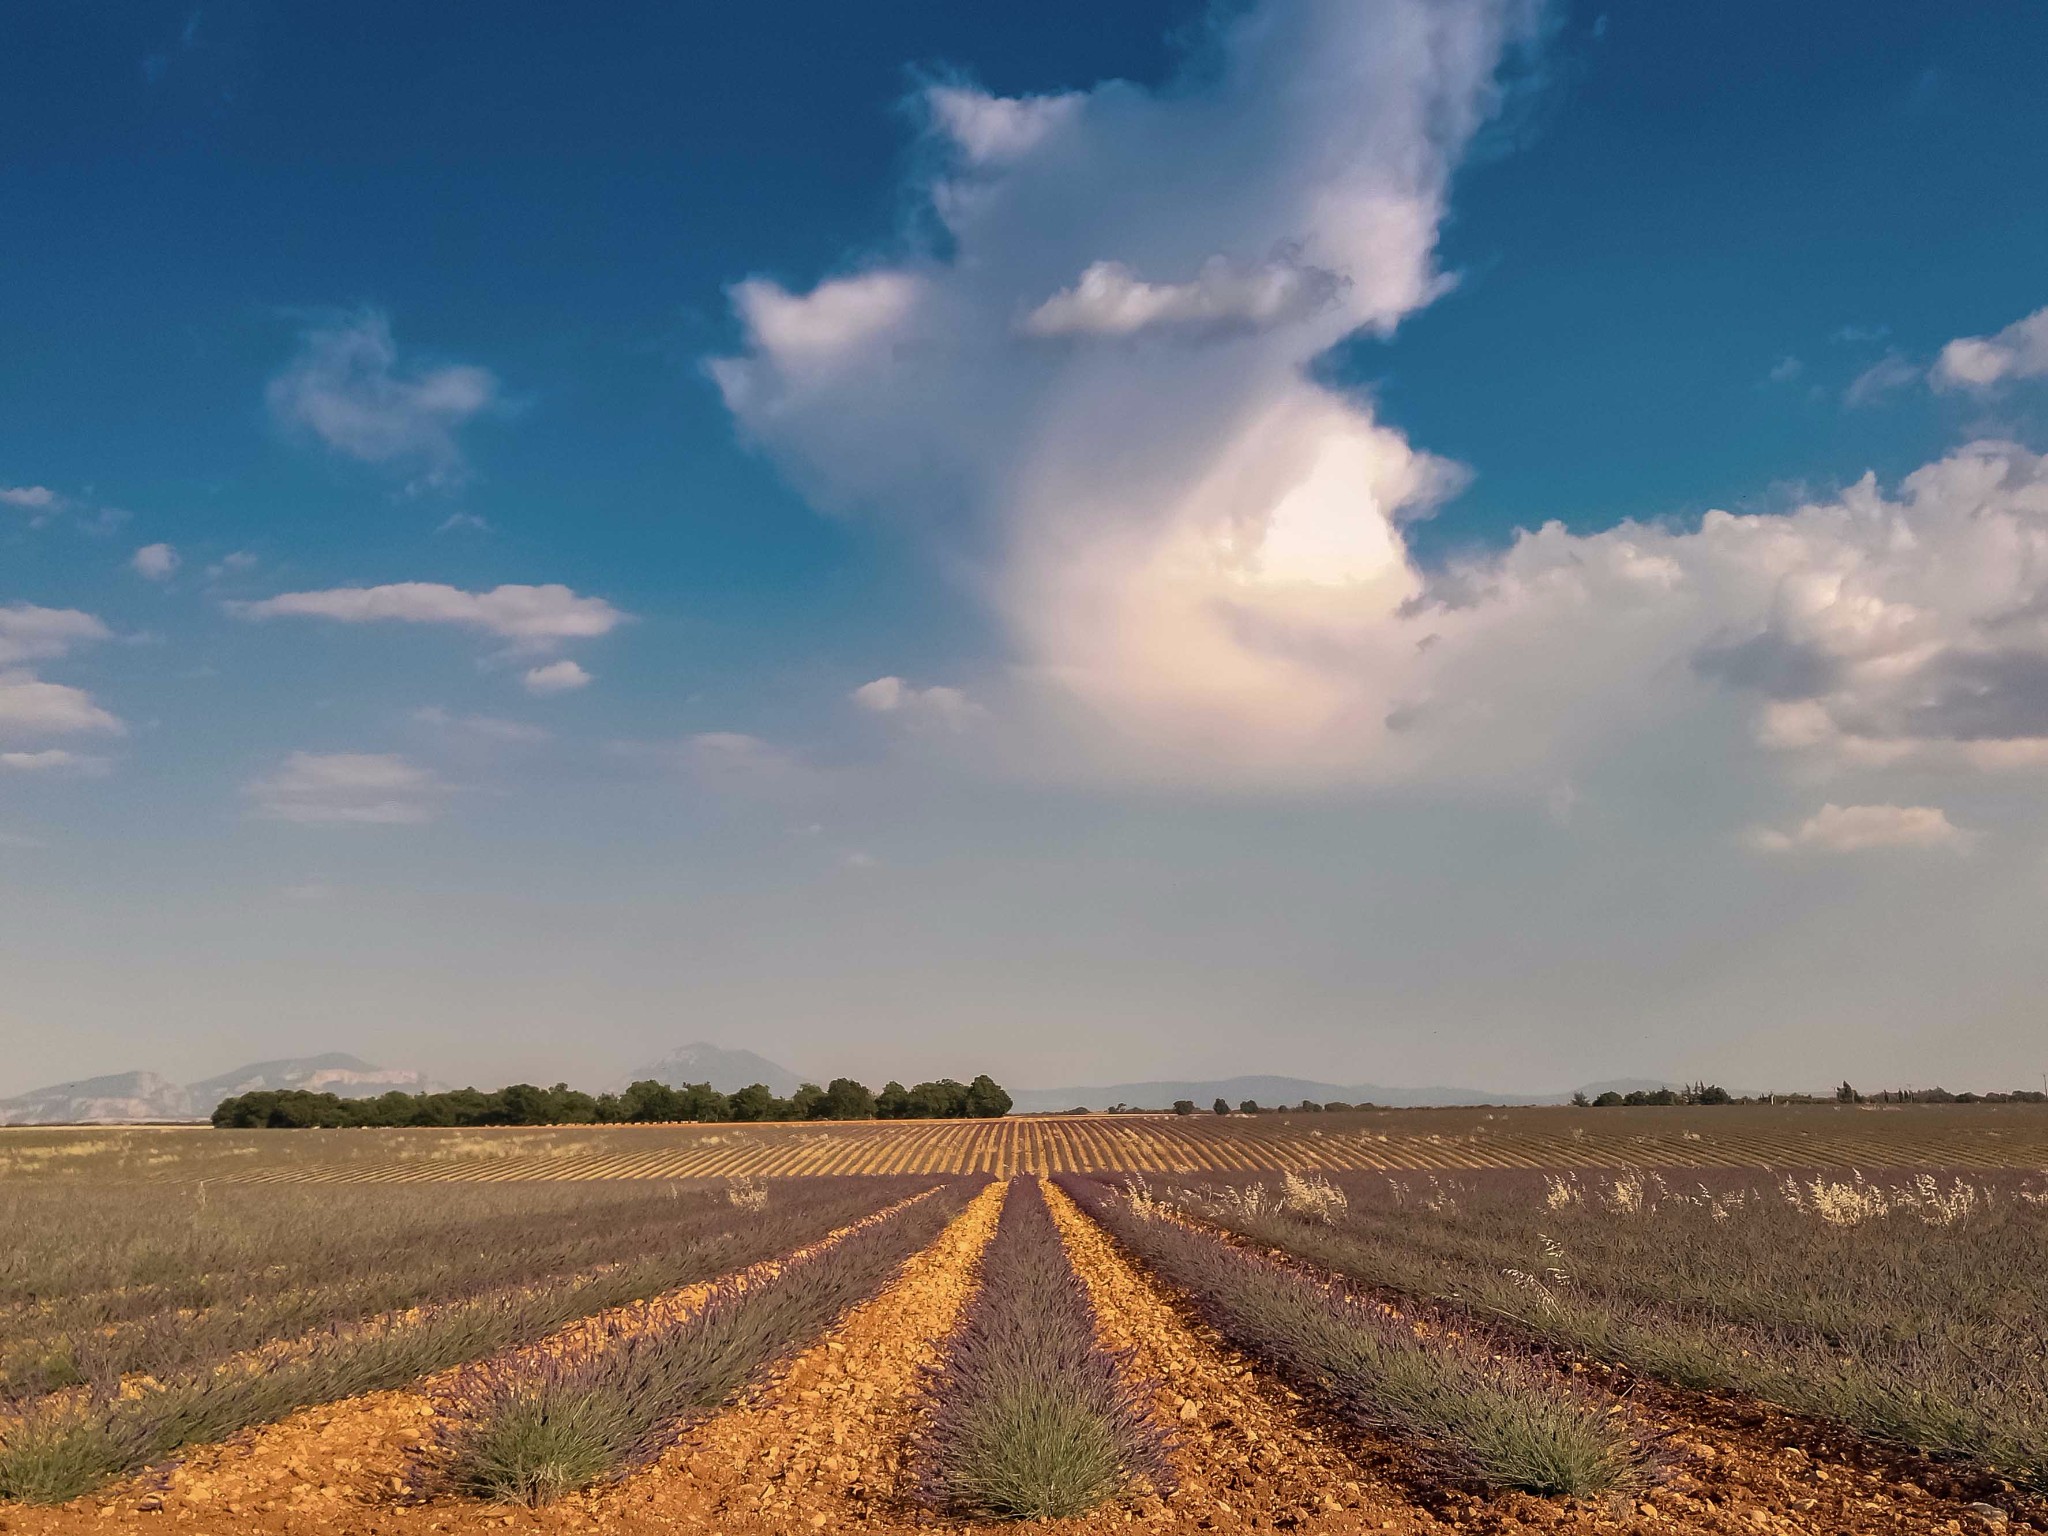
point(1183, 1106)
point(893, 1102)
point(700, 1101)
point(1221, 1106)
point(650, 1102)
point(753, 1102)
point(807, 1103)
point(1249, 1107)
point(986, 1099)
point(942, 1100)
point(846, 1099)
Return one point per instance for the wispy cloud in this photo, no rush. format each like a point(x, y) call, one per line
point(491, 728)
point(348, 390)
point(347, 788)
point(1886, 376)
point(1862, 828)
point(54, 760)
point(1109, 299)
point(32, 498)
point(949, 708)
point(529, 616)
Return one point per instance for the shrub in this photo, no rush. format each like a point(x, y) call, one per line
point(520, 1432)
point(1029, 1418)
point(1503, 1418)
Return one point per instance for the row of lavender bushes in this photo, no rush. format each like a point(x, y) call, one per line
point(102, 1284)
point(1506, 1420)
point(1028, 1417)
point(524, 1432)
point(63, 1444)
point(1913, 1308)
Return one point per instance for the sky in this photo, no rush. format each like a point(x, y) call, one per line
point(1462, 542)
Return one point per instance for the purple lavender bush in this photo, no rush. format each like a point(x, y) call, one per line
point(1503, 1419)
point(522, 1432)
point(1029, 1417)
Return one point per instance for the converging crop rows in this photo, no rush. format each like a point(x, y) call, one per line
point(1525, 1351)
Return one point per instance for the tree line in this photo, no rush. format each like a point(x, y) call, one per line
point(644, 1102)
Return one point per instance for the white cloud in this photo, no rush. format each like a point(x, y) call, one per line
point(948, 708)
point(2020, 351)
point(52, 760)
point(346, 389)
point(29, 633)
point(529, 616)
point(1109, 299)
point(155, 562)
point(556, 677)
point(363, 788)
point(34, 498)
point(989, 130)
point(1199, 551)
point(1888, 374)
point(458, 522)
point(31, 708)
point(1860, 828)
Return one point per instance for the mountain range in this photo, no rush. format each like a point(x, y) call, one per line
point(146, 1096)
point(727, 1071)
point(143, 1096)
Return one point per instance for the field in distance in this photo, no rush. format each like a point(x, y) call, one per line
point(1971, 1137)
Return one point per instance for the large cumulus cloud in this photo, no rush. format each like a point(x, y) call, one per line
point(1098, 389)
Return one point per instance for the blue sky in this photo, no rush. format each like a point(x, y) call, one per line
point(933, 538)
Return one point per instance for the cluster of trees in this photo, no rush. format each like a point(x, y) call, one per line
point(643, 1103)
point(1712, 1093)
point(1846, 1094)
point(1253, 1107)
point(1697, 1093)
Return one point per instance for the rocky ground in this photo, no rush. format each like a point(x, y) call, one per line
point(829, 1444)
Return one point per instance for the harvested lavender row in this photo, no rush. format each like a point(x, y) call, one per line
point(1504, 1420)
point(63, 1446)
point(1030, 1418)
point(528, 1433)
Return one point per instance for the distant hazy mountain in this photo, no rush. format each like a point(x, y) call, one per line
point(722, 1069)
point(121, 1096)
point(1274, 1091)
point(348, 1076)
point(129, 1096)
